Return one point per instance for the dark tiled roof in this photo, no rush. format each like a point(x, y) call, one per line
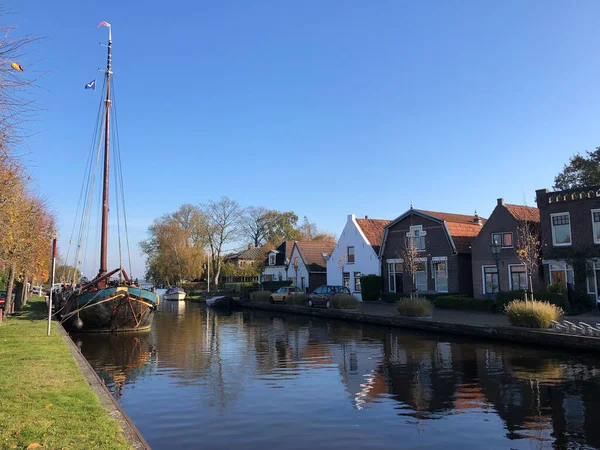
point(373, 230)
point(462, 228)
point(524, 213)
point(312, 254)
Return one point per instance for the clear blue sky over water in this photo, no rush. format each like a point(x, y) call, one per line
point(324, 108)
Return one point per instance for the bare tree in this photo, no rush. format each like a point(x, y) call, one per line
point(223, 226)
point(410, 262)
point(529, 248)
point(255, 224)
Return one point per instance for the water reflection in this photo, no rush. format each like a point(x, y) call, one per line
point(327, 384)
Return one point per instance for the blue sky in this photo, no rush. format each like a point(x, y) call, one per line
point(324, 108)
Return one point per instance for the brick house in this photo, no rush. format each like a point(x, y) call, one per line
point(307, 267)
point(443, 240)
point(570, 229)
point(502, 228)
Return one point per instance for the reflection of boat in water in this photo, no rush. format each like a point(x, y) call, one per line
point(119, 359)
point(174, 293)
point(105, 304)
point(219, 301)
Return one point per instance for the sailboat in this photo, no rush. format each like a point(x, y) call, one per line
point(111, 301)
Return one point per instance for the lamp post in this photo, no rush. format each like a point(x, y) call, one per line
point(495, 248)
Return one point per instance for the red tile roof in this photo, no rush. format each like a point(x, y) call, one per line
point(289, 248)
point(462, 228)
point(312, 254)
point(524, 213)
point(373, 230)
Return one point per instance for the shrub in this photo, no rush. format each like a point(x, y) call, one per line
point(344, 301)
point(464, 303)
point(582, 302)
point(391, 297)
point(260, 296)
point(503, 298)
point(415, 307)
point(557, 287)
point(297, 300)
point(274, 285)
point(532, 314)
point(370, 286)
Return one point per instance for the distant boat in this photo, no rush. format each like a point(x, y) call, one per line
point(174, 293)
point(106, 304)
point(219, 301)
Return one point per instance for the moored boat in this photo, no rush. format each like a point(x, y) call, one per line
point(174, 293)
point(104, 304)
point(219, 301)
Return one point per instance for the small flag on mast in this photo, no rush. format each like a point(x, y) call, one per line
point(103, 23)
point(91, 85)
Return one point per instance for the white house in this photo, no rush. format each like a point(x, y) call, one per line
point(308, 264)
point(356, 253)
point(276, 262)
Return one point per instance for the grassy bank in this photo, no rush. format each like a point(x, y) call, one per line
point(44, 398)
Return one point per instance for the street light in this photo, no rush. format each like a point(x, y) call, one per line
point(495, 248)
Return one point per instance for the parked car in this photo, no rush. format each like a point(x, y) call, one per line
point(2, 299)
point(321, 296)
point(37, 290)
point(282, 293)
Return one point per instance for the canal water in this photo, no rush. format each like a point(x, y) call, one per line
point(257, 380)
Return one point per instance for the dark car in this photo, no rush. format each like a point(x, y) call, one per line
point(2, 299)
point(321, 296)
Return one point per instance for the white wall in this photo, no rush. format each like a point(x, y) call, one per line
point(302, 272)
point(275, 270)
point(365, 259)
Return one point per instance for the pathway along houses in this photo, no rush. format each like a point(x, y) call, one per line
point(356, 253)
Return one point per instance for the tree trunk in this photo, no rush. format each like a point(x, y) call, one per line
point(9, 288)
point(19, 294)
point(25, 292)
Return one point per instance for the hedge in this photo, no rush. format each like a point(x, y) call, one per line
point(414, 307)
point(370, 286)
point(464, 303)
point(391, 297)
point(554, 298)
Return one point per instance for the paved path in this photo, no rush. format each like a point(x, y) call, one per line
point(461, 316)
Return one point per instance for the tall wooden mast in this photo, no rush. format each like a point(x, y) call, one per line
point(104, 236)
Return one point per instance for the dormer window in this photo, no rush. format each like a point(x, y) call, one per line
point(272, 258)
point(416, 237)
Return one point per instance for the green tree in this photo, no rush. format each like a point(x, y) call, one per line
point(582, 171)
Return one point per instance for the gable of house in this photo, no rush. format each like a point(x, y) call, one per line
point(314, 254)
point(282, 254)
point(373, 229)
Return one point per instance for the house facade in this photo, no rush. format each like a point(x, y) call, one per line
point(443, 242)
point(502, 228)
point(307, 267)
point(570, 229)
point(356, 253)
point(251, 256)
point(276, 262)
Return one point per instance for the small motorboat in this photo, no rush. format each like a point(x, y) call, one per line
point(175, 294)
point(219, 301)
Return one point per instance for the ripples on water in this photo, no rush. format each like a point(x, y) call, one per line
point(249, 379)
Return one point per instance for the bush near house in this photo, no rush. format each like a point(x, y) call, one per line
point(344, 301)
point(260, 296)
point(370, 286)
point(297, 300)
point(532, 314)
point(559, 299)
point(464, 303)
point(392, 297)
point(193, 288)
point(415, 307)
point(273, 285)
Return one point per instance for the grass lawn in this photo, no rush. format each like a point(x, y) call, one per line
point(44, 399)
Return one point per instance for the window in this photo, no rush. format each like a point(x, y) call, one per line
point(518, 277)
point(268, 278)
point(440, 275)
point(421, 277)
point(596, 225)
point(490, 279)
point(591, 277)
point(350, 252)
point(356, 281)
point(415, 238)
point(561, 229)
point(561, 273)
point(346, 279)
point(272, 259)
point(394, 269)
point(503, 239)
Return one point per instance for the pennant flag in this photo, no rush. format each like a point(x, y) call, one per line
point(91, 85)
point(103, 23)
point(17, 66)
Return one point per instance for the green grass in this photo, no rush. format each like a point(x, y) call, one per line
point(43, 396)
point(414, 307)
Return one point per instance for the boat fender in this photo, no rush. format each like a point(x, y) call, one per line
point(78, 324)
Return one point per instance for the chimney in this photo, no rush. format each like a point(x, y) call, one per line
point(477, 219)
point(366, 217)
point(500, 202)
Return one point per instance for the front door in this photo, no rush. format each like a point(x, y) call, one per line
point(399, 283)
